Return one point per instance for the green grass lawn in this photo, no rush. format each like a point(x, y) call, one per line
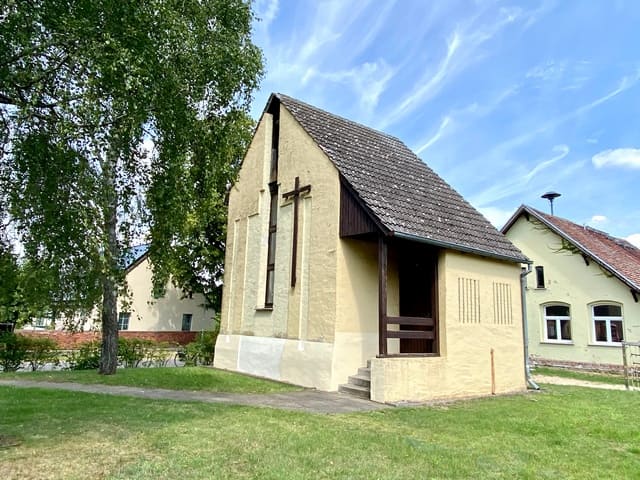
point(182, 378)
point(590, 377)
point(563, 432)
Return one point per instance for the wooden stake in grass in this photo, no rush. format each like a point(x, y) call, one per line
point(493, 374)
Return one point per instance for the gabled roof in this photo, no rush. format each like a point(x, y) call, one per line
point(407, 198)
point(616, 255)
point(133, 255)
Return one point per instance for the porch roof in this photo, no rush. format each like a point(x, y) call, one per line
point(406, 196)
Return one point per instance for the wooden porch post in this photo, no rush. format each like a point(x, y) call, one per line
point(382, 295)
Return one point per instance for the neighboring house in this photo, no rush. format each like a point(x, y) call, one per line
point(343, 247)
point(141, 311)
point(583, 292)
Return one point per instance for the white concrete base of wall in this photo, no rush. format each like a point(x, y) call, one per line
point(295, 361)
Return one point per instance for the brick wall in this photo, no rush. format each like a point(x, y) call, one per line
point(584, 366)
point(69, 340)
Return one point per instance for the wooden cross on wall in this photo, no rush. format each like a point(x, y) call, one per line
point(295, 194)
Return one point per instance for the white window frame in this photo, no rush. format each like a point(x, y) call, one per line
point(121, 316)
point(558, 321)
point(608, 319)
point(186, 316)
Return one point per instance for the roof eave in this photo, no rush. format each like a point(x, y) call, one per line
point(558, 231)
point(513, 219)
point(461, 248)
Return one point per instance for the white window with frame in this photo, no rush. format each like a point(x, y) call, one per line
point(186, 322)
point(123, 320)
point(607, 324)
point(42, 322)
point(557, 323)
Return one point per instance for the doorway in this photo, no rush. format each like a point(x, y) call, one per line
point(417, 283)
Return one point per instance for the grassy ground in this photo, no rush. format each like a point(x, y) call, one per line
point(564, 432)
point(183, 378)
point(590, 377)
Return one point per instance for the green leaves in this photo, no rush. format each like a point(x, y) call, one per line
point(82, 85)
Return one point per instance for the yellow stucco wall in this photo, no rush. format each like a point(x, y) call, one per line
point(164, 313)
point(357, 305)
point(149, 314)
point(299, 330)
point(570, 281)
point(479, 311)
point(324, 329)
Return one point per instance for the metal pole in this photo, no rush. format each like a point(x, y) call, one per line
point(624, 363)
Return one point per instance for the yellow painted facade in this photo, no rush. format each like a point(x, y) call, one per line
point(299, 330)
point(164, 314)
point(149, 314)
point(570, 281)
point(473, 323)
point(321, 331)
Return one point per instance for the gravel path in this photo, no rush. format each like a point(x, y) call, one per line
point(575, 382)
point(312, 401)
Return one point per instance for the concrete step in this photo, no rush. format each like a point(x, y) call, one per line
point(355, 390)
point(360, 380)
point(364, 372)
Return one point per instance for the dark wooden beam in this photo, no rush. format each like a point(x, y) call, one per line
point(295, 194)
point(634, 294)
point(382, 295)
point(411, 334)
point(421, 321)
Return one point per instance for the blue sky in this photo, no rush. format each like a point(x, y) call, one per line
point(505, 100)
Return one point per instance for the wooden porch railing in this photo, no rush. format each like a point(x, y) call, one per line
point(406, 334)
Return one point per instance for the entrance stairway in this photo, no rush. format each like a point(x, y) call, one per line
point(360, 384)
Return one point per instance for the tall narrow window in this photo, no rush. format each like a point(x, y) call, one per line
point(557, 323)
point(540, 277)
point(271, 252)
point(275, 141)
point(123, 320)
point(186, 322)
point(607, 323)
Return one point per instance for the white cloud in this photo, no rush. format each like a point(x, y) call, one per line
point(497, 216)
point(443, 125)
point(627, 82)
point(634, 239)
point(266, 10)
point(518, 185)
point(368, 81)
point(462, 50)
point(547, 71)
point(598, 219)
point(428, 87)
point(619, 157)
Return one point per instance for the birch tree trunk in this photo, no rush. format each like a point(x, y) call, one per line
point(109, 351)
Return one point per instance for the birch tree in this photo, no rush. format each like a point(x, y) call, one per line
point(118, 120)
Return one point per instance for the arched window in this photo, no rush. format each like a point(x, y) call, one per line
point(607, 323)
point(557, 323)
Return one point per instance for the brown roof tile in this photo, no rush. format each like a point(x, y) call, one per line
point(618, 256)
point(406, 196)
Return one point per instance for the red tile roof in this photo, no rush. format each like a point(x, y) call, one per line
point(616, 255)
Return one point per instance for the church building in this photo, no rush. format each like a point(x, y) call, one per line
point(350, 261)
